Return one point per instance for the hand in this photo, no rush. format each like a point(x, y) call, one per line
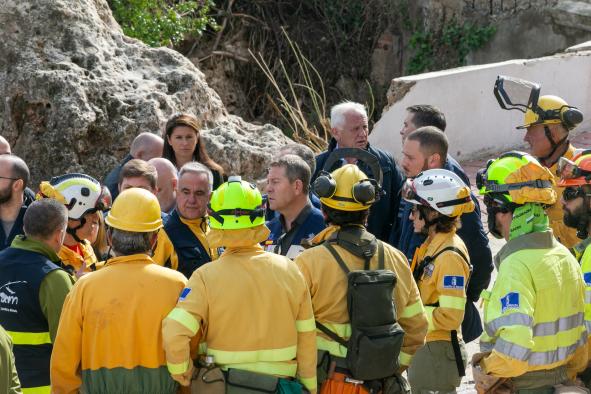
point(185, 378)
point(482, 381)
point(477, 357)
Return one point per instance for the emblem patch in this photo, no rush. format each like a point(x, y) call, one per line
point(510, 301)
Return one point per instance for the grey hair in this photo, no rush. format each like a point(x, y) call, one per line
point(125, 243)
point(295, 168)
point(338, 112)
point(44, 217)
point(302, 151)
point(197, 168)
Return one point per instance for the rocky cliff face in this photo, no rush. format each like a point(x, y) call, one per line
point(76, 92)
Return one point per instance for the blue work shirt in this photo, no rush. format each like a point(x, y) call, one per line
point(309, 222)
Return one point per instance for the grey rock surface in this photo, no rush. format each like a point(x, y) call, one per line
point(76, 91)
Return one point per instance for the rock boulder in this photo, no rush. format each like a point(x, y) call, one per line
point(76, 91)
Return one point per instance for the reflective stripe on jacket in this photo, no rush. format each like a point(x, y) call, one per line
point(585, 260)
point(534, 313)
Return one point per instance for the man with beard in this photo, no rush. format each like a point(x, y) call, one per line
point(575, 177)
point(14, 176)
point(424, 149)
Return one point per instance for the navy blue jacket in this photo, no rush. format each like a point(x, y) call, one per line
point(306, 225)
point(383, 215)
point(190, 252)
point(17, 229)
point(471, 232)
point(21, 274)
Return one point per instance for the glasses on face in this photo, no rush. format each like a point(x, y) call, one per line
point(7, 177)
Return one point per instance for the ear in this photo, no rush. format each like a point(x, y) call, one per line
point(153, 240)
point(175, 181)
point(434, 161)
point(299, 186)
point(109, 237)
point(18, 185)
point(335, 133)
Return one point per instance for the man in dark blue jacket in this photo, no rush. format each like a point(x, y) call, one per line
point(288, 184)
point(424, 149)
point(350, 129)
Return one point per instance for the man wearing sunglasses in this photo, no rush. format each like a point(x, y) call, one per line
point(575, 177)
point(535, 335)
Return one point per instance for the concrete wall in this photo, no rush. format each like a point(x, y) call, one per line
point(476, 125)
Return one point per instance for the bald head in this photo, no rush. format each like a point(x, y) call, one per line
point(4, 146)
point(167, 181)
point(146, 146)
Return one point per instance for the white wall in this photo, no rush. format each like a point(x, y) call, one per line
point(476, 125)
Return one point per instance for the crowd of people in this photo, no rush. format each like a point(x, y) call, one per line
point(351, 272)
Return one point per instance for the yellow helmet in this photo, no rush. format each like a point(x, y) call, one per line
point(346, 189)
point(236, 205)
point(135, 210)
point(552, 110)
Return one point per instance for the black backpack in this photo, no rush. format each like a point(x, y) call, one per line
point(376, 337)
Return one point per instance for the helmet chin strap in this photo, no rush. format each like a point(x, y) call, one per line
point(72, 230)
point(555, 146)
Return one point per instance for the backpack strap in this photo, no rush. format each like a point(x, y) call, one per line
point(418, 272)
point(331, 334)
point(453, 249)
point(380, 255)
point(337, 257)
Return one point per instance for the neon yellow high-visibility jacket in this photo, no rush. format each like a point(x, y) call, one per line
point(583, 254)
point(534, 314)
point(252, 308)
point(328, 288)
point(566, 235)
point(444, 283)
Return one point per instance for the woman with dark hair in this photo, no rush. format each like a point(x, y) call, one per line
point(183, 144)
point(441, 268)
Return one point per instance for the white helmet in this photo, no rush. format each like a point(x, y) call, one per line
point(441, 190)
point(80, 193)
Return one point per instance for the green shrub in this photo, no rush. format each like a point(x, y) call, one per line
point(163, 22)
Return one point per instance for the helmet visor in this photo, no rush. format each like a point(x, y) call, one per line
point(104, 201)
point(567, 169)
point(409, 193)
point(516, 93)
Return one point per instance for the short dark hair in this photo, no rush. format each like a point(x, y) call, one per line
point(295, 169)
point(431, 141)
point(43, 217)
point(20, 170)
point(301, 150)
point(443, 223)
point(137, 168)
point(341, 218)
point(427, 115)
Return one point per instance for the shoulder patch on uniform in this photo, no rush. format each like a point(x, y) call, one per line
point(453, 282)
point(587, 278)
point(429, 270)
point(510, 301)
point(184, 293)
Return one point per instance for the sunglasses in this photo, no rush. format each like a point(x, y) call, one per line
point(570, 193)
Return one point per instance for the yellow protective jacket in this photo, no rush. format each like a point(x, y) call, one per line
point(566, 235)
point(583, 254)
point(252, 308)
point(109, 337)
point(80, 264)
point(443, 285)
point(165, 253)
point(533, 316)
point(328, 288)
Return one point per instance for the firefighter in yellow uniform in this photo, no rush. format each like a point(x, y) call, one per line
point(575, 178)
point(535, 334)
point(548, 120)
point(252, 308)
point(442, 269)
point(346, 196)
point(83, 196)
point(109, 336)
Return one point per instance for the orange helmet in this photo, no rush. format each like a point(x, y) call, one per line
point(575, 172)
